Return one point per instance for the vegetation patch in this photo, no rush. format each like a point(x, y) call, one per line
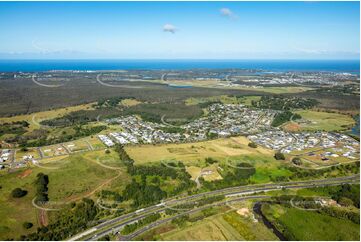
point(41, 184)
point(298, 224)
point(281, 118)
point(279, 102)
point(18, 192)
point(15, 128)
point(205, 101)
point(327, 121)
point(129, 228)
point(235, 221)
point(215, 229)
point(174, 113)
point(75, 218)
point(191, 152)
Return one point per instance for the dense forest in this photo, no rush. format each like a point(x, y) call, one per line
point(278, 102)
point(71, 220)
point(281, 118)
point(41, 184)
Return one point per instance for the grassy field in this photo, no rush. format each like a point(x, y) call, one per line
point(31, 151)
point(276, 90)
point(324, 121)
point(267, 168)
point(129, 102)
point(95, 142)
point(34, 119)
point(317, 191)
point(225, 227)
point(247, 228)
point(112, 167)
point(195, 152)
point(70, 179)
point(247, 100)
point(72, 176)
point(15, 211)
point(76, 145)
point(53, 150)
point(77, 178)
point(226, 151)
point(194, 171)
point(310, 225)
point(213, 228)
point(111, 159)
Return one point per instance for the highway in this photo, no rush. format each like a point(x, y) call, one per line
point(114, 225)
point(159, 222)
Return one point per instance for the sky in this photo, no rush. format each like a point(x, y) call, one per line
point(180, 30)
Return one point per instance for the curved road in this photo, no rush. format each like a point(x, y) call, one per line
point(113, 85)
point(44, 85)
point(114, 225)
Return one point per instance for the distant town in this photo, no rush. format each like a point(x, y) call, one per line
point(231, 120)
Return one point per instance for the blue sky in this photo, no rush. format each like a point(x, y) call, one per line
point(171, 30)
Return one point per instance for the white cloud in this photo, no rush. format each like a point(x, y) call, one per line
point(228, 13)
point(39, 47)
point(170, 28)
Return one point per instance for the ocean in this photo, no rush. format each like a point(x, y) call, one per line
point(350, 66)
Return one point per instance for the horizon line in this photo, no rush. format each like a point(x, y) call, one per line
point(185, 59)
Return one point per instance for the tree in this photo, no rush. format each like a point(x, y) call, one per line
point(106, 238)
point(181, 221)
point(42, 187)
point(18, 192)
point(156, 180)
point(27, 225)
point(279, 156)
point(107, 151)
point(210, 160)
point(296, 161)
point(211, 135)
point(252, 145)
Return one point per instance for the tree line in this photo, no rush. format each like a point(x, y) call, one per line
point(69, 221)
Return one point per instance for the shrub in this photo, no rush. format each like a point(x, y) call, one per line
point(279, 156)
point(252, 145)
point(210, 160)
point(18, 192)
point(296, 161)
point(27, 225)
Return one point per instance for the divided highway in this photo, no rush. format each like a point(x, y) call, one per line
point(116, 224)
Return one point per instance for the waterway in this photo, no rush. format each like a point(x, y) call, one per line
point(28, 65)
point(257, 209)
point(355, 130)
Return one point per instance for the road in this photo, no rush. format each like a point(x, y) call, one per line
point(113, 85)
point(114, 225)
point(159, 222)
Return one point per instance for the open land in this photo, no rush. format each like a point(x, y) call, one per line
point(314, 121)
point(309, 225)
point(168, 138)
